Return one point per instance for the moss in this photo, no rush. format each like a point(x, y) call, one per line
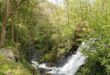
point(13, 68)
point(49, 57)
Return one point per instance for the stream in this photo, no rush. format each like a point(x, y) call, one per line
point(70, 67)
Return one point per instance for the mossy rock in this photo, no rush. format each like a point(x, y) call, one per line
point(9, 67)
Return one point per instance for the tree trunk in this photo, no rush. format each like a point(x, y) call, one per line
point(3, 30)
point(5, 18)
point(12, 29)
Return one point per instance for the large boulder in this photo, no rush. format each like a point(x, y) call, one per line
point(7, 53)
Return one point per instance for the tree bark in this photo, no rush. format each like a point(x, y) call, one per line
point(3, 30)
point(5, 19)
point(12, 29)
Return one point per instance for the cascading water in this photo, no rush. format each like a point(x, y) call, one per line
point(72, 65)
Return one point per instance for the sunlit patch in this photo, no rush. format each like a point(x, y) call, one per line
point(91, 1)
point(57, 2)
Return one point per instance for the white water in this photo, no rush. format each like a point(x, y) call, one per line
point(72, 65)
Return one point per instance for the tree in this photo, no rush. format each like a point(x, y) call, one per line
point(8, 13)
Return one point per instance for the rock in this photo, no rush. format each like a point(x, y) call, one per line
point(7, 53)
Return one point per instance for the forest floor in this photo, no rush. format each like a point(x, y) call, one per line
point(8, 66)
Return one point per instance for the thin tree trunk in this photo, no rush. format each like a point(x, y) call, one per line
point(5, 18)
point(3, 30)
point(12, 29)
point(67, 10)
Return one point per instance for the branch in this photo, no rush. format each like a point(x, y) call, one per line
point(19, 3)
point(17, 6)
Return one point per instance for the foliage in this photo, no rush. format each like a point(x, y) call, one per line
point(10, 67)
point(54, 31)
point(98, 57)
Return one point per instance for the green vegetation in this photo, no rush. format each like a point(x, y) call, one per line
point(9, 67)
point(52, 31)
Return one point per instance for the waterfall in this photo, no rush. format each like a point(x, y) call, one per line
point(73, 63)
point(70, 68)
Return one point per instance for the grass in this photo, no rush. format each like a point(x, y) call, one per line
point(9, 67)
